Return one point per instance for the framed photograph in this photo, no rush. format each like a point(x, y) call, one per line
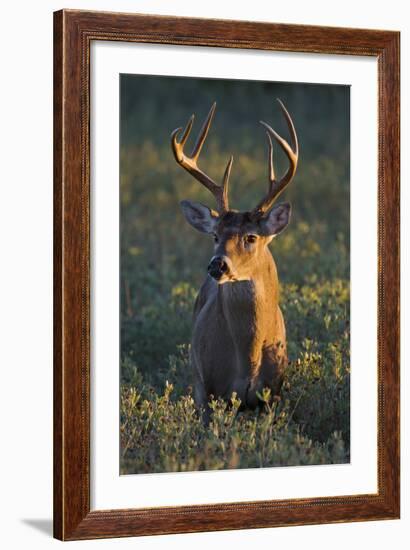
point(226, 275)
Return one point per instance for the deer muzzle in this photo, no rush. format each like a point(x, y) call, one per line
point(218, 267)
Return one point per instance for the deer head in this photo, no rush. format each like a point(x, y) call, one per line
point(240, 237)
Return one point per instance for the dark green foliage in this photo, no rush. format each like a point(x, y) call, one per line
point(163, 262)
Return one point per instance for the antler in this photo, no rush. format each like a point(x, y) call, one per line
point(190, 163)
point(276, 187)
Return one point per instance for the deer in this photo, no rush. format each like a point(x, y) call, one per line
point(238, 343)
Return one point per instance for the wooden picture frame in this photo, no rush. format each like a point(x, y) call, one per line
point(73, 33)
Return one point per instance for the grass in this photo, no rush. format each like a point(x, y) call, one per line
point(160, 430)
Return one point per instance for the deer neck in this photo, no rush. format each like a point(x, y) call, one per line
point(261, 286)
point(249, 308)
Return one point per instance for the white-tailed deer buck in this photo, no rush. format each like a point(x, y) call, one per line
point(239, 338)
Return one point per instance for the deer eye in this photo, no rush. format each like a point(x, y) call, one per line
point(249, 239)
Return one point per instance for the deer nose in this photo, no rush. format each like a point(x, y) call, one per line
point(217, 267)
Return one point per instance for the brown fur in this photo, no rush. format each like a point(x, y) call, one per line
point(239, 339)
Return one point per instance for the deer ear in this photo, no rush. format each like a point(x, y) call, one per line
point(276, 220)
point(199, 216)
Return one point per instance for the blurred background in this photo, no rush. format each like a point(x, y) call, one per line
point(163, 259)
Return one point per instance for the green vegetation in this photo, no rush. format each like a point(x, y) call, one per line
point(163, 262)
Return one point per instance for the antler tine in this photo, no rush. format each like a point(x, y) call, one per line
point(276, 187)
point(291, 126)
point(203, 133)
point(190, 163)
point(225, 182)
point(270, 158)
point(187, 131)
